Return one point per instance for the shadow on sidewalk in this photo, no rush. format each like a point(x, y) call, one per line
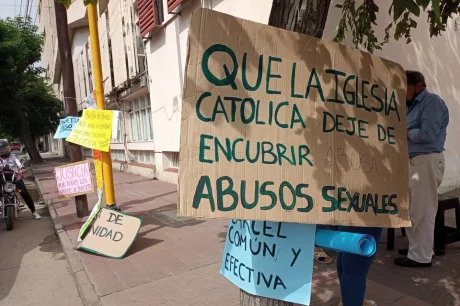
point(184, 244)
point(157, 219)
point(130, 204)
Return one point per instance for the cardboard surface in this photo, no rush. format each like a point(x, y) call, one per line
point(92, 215)
point(270, 259)
point(316, 135)
point(74, 179)
point(111, 234)
point(94, 130)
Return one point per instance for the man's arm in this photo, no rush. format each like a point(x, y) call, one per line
point(431, 120)
point(19, 164)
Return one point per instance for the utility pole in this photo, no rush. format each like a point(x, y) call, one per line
point(107, 173)
point(70, 101)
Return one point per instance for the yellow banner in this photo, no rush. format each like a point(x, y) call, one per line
point(94, 130)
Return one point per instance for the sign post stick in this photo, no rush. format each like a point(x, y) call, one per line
point(99, 84)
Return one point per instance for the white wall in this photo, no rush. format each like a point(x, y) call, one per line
point(79, 40)
point(47, 25)
point(49, 56)
point(254, 10)
point(76, 14)
point(166, 56)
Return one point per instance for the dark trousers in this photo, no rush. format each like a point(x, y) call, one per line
point(25, 195)
point(353, 269)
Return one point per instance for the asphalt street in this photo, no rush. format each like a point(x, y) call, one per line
point(33, 267)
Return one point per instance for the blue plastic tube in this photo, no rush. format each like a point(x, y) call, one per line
point(346, 242)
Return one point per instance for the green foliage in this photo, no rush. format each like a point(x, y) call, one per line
point(20, 48)
point(93, 2)
point(28, 106)
point(65, 2)
point(68, 2)
point(38, 103)
point(360, 20)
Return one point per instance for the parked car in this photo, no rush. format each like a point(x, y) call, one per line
point(16, 146)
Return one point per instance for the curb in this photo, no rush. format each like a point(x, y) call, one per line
point(85, 288)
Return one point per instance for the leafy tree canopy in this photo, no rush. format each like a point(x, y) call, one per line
point(360, 20)
point(29, 108)
point(40, 106)
point(20, 49)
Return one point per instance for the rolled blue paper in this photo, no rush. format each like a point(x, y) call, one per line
point(339, 241)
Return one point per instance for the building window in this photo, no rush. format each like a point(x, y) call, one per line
point(159, 14)
point(90, 73)
point(84, 75)
point(175, 159)
point(172, 4)
point(172, 159)
point(139, 45)
point(150, 15)
point(118, 155)
point(141, 157)
point(140, 117)
point(144, 157)
point(120, 131)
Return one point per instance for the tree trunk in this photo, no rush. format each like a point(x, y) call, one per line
point(70, 101)
point(306, 17)
point(302, 16)
point(26, 133)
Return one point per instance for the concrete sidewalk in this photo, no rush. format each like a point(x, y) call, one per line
point(176, 261)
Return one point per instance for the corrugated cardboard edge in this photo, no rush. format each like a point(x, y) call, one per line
point(195, 14)
point(80, 247)
point(71, 195)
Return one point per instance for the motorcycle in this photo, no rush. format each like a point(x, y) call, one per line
point(9, 201)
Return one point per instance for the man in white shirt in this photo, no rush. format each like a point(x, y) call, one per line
point(14, 164)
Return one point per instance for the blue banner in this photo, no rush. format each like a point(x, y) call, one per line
point(270, 259)
point(353, 243)
point(66, 126)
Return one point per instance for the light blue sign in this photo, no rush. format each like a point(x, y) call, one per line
point(66, 126)
point(270, 259)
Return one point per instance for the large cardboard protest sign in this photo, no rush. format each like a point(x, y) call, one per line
point(111, 234)
point(281, 126)
point(74, 179)
point(270, 259)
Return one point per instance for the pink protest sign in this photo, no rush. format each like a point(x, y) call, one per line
point(74, 179)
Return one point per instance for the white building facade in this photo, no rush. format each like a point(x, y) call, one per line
point(144, 47)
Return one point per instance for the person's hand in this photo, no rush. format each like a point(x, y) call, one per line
point(23, 171)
